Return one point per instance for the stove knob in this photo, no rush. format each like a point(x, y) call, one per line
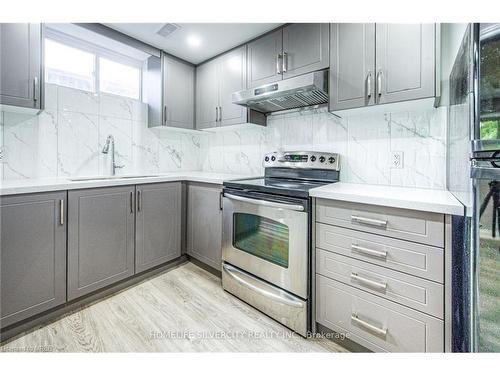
point(313, 158)
point(331, 159)
point(266, 158)
point(322, 159)
point(273, 158)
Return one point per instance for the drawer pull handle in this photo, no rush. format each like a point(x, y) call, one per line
point(370, 283)
point(369, 327)
point(367, 221)
point(370, 252)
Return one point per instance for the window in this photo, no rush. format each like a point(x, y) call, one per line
point(119, 79)
point(68, 66)
point(80, 65)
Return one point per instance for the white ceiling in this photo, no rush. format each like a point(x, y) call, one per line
point(214, 38)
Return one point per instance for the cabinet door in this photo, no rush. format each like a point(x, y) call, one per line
point(204, 224)
point(100, 238)
point(158, 224)
point(232, 77)
point(32, 255)
point(305, 48)
point(352, 65)
point(21, 64)
point(207, 95)
point(405, 61)
point(179, 93)
point(264, 61)
point(153, 91)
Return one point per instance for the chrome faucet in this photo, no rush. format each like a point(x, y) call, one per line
point(111, 141)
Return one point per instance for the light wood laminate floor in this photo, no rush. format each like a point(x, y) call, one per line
point(181, 310)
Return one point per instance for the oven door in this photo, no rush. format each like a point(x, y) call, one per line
point(268, 238)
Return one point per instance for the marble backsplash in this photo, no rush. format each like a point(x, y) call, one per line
point(66, 139)
point(364, 138)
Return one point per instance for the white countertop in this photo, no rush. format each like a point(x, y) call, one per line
point(439, 201)
point(35, 185)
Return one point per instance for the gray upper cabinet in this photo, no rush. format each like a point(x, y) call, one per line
point(381, 63)
point(207, 95)
point(100, 238)
point(265, 59)
point(232, 78)
point(352, 64)
point(204, 223)
point(158, 224)
point(178, 93)
point(168, 89)
point(32, 255)
point(305, 48)
point(405, 61)
point(21, 73)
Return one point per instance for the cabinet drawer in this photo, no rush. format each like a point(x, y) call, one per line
point(414, 259)
point(416, 226)
point(414, 292)
point(374, 322)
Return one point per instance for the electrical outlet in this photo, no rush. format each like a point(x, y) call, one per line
point(397, 159)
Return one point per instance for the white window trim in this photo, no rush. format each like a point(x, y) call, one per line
point(98, 52)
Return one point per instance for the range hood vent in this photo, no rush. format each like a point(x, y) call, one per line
point(302, 91)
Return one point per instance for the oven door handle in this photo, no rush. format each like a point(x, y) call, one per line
point(260, 202)
point(282, 297)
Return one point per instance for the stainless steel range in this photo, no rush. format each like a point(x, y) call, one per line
point(266, 248)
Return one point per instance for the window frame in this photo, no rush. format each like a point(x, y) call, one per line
point(98, 52)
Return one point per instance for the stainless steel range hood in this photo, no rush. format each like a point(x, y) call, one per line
point(302, 91)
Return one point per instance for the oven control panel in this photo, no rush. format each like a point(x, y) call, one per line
point(302, 159)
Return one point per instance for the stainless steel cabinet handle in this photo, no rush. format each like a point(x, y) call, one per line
point(370, 283)
point(278, 58)
point(131, 202)
point(61, 212)
point(379, 83)
point(369, 327)
point(35, 89)
point(370, 252)
point(285, 62)
point(221, 194)
point(139, 201)
point(216, 114)
point(369, 85)
point(260, 202)
point(279, 295)
point(220, 114)
point(165, 115)
point(368, 221)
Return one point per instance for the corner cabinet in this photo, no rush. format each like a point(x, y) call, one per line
point(204, 223)
point(32, 255)
point(168, 89)
point(290, 51)
point(21, 73)
point(158, 224)
point(382, 63)
point(100, 238)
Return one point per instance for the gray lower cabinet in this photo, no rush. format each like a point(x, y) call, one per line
point(405, 61)
point(158, 224)
point(352, 65)
point(32, 255)
point(100, 238)
point(21, 74)
point(204, 223)
point(265, 59)
point(305, 48)
point(178, 93)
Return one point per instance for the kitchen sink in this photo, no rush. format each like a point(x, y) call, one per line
point(95, 178)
